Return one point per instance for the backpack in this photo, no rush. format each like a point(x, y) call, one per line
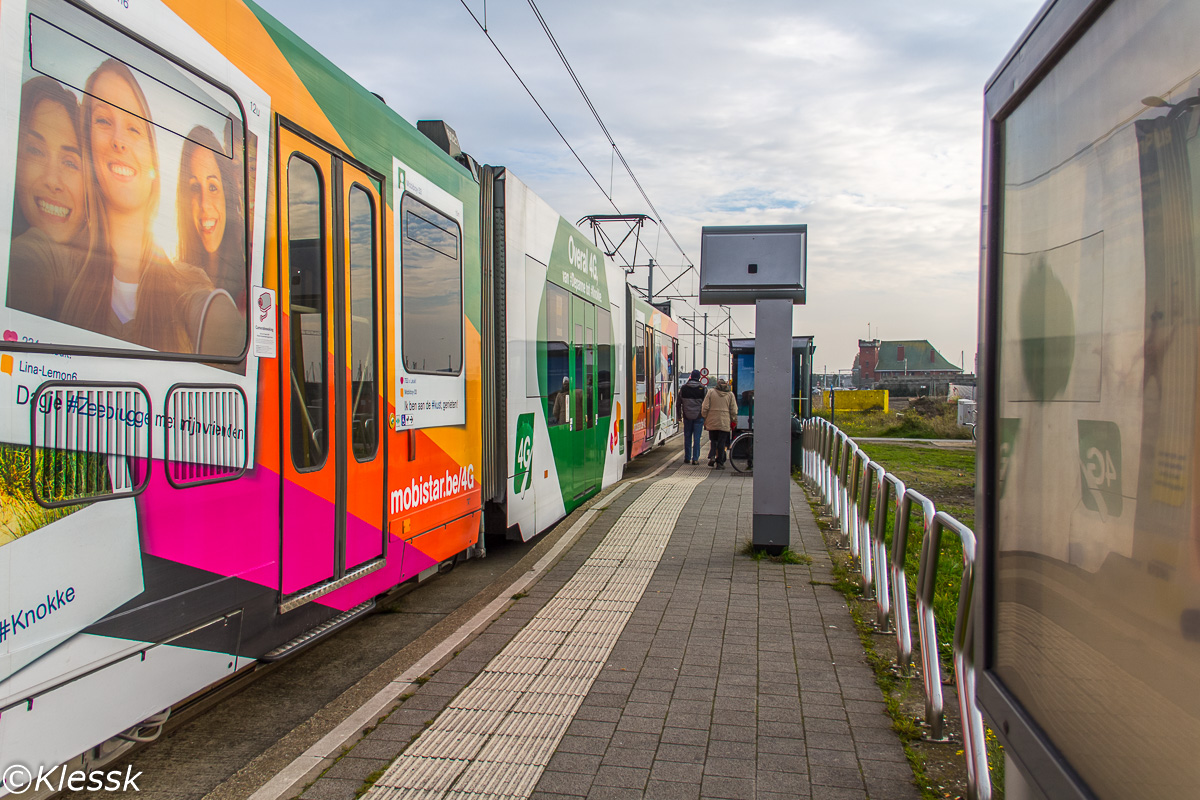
point(692, 405)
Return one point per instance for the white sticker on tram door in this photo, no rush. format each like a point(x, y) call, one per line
point(263, 310)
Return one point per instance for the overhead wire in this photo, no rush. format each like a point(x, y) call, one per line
point(599, 121)
point(689, 266)
point(532, 97)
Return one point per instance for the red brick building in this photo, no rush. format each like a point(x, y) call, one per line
point(902, 364)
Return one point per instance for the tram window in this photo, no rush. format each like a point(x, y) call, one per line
point(307, 310)
point(534, 343)
point(188, 132)
point(604, 376)
point(558, 362)
point(589, 369)
point(578, 423)
point(666, 353)
point(431, 291)
point(364, 358)
point(639, 355)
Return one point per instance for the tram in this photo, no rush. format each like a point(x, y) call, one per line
point(270, 352)
point(654, 379)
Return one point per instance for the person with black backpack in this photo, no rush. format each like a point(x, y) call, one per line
point(691, 398)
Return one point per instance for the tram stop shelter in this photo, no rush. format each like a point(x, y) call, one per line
point(741, 352)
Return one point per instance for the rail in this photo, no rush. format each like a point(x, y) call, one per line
point(858, 493)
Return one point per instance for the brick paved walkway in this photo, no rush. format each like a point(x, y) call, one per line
point(733, 678)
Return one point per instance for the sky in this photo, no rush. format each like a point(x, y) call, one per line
point(862, 120)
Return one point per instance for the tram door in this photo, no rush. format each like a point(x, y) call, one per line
point(330, 358)
point(583, 396)
point(651, 359)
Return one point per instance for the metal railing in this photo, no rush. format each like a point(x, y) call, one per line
point(858, 493)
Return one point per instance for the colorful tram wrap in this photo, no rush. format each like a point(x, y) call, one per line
point(270, 352)
point(654, 342)
point(555, 437)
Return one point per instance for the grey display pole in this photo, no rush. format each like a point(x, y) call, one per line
point(765, 265)
point(772, 424)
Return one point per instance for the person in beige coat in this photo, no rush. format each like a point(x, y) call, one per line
point(719, 411)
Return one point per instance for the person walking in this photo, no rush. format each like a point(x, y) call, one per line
point(719, 411)
point(691, 399)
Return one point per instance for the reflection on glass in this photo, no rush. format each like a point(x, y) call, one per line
point(1097, 546)
point(577, 424)
point(155, 256)
point(558, 381)
point(363, 357)
point(441, 238)
point(604, 376)
point(431, 288)
point(639, 354)
point(180, 102)
point(306, 312)
point(589, 368)
point(664, 353)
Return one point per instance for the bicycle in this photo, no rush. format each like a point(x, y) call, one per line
point(741, 449)
point(741, 452)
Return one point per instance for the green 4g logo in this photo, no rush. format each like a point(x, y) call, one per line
point(1100, 466)
point(523, 458)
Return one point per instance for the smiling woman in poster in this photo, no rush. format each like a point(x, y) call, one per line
point(50, 208)
point(127, 287)
point(211, 225)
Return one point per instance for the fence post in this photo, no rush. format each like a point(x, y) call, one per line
point(899, 579)
point(867, 554)
point(847, 504)
point(931, 665)
point(979, 779)
point(889, 485)
point(856, 518)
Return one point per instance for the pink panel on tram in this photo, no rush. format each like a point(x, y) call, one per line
point(308, 539)
point(363, 541)
point(228, 528)
point(403, 562)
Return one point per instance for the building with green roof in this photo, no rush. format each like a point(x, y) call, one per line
point(902, 364)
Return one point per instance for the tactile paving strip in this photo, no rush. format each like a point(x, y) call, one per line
point(496, 737)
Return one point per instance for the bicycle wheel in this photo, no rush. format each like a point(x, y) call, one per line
point(741, 453)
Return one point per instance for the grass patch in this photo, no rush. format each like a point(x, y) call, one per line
point(947, 477)
point(788, 556)
point(519, 595)
point(896, 688)
point(925, 418)
point(369, 782)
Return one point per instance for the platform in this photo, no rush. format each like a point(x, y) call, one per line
point(655, 659)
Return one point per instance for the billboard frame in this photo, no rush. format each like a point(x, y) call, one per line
point(1056, 28)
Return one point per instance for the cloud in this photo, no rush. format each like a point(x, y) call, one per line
point(863, 120)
